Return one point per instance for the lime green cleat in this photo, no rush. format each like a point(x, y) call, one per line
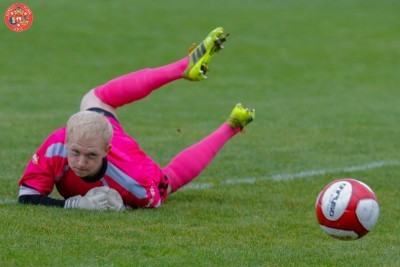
point(201, 55)
point(241, 116)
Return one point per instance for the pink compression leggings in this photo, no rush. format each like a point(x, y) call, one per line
point(131, 87)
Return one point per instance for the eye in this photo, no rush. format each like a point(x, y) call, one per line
point(92, 155)
point(75, 152)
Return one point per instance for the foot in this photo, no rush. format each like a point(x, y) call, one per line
point(241, 116)
point(201, 55)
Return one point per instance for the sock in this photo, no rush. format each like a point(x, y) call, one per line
point(189, 163)
point(137, 85)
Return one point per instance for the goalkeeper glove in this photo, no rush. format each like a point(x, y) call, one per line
point(94, 202)
point(114, 199)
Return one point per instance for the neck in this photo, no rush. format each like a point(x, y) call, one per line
point(99, 174)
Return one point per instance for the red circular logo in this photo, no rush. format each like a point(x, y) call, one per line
point(18, 17)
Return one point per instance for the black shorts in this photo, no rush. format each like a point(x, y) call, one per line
point(104, 112)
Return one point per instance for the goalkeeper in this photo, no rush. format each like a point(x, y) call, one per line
point(95, 165)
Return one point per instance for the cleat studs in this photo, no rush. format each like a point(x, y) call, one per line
point(203, 69)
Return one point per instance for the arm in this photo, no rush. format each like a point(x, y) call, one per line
point(31, 196)
point(97, 201)
point(38, 179)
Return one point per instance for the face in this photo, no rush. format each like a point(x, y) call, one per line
point(85, 158)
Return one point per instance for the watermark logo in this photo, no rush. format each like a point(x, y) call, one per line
point(18, 17)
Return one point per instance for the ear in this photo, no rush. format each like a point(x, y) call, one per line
point(107, 150)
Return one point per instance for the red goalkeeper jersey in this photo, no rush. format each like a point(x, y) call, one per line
point(127, 169)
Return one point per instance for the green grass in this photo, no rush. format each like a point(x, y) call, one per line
point(323, 76)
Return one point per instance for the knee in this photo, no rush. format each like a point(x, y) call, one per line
point(90, 100)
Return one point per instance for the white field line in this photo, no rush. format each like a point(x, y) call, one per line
point(8, 200)
point(292, 176)
point(275, 177)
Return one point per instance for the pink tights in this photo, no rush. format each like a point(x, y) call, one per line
point(131, 87)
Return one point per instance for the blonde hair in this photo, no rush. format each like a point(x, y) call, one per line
point(86, 125)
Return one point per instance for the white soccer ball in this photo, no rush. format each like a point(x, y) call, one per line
point(347, 209)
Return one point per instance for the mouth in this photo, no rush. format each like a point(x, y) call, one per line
point(79, 171)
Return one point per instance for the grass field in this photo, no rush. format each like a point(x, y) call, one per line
point(322, 75)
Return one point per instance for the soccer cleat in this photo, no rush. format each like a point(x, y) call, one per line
point(241, 116)
point(201, 55)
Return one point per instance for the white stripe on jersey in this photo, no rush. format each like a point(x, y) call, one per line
point(24, 190)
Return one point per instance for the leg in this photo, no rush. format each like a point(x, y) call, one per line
point(90, 100)
point(137, 85)
point(188, 164)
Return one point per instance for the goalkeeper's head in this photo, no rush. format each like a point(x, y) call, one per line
point(88, 142)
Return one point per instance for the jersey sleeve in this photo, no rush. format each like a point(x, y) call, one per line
point(46, 164)
point(153, 197)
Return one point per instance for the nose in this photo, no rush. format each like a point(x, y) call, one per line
point(81, 162)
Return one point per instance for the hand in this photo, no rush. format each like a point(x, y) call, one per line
point(92, 202)
point(114, 199)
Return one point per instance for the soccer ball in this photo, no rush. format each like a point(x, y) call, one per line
point(347, 209)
